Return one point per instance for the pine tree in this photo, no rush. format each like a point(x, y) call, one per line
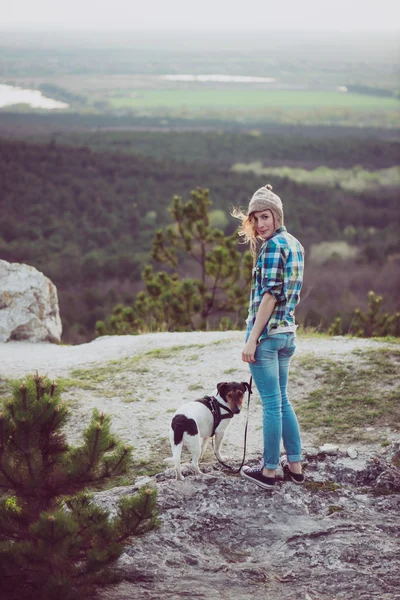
point(372, 322)
point(171, 302)
point(54, 541)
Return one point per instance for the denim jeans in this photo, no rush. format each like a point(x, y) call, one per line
point(270, 373)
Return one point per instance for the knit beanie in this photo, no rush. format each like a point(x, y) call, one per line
point(264, 199)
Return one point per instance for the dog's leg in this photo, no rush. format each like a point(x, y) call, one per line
point(218, 441)
point(177, 451)
point(204, 444)
point(176, 455)
point(194, 446)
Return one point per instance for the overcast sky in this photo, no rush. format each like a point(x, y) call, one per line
point(340, 15)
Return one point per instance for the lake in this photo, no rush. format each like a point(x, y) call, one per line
point(10, 95)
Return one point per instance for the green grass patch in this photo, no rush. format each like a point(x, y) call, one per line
point(333, 508)
point(171, 352)
point(217, 98)
point(351, 395)
point(230, 371)
point(195, 386)
point(256, 106)
point(322, 486)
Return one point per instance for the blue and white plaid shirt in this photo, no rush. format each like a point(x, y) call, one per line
point(279, 272)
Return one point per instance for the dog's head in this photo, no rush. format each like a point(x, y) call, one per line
point(233, 393)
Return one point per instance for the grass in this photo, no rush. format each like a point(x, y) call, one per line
point(333, 508)
point(322, 486)
point(91, 378)
point(171, 352)
point(230, 371)
point(195, 386)
point(256, 106)
point(213, 98)
point(352, 396)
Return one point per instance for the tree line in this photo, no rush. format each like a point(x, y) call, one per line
point(87, 219)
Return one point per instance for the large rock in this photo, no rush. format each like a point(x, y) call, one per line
point(28, 305)
point(223, 537)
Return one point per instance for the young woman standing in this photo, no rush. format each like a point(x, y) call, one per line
point(271, 331)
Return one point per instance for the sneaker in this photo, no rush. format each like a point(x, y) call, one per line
point(255, 474)
point(297, 478)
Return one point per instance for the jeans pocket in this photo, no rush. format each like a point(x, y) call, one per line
point(290, 347)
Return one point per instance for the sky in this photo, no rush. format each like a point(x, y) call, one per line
point(169, 15)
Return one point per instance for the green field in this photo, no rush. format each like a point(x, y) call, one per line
point(226, 98)
point(252, 105)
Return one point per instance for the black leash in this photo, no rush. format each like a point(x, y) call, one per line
point(234, 471)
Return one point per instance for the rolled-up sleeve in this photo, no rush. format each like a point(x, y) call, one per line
point(273, 271)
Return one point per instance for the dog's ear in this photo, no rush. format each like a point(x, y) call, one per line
point(220, 388)
point(246, 386)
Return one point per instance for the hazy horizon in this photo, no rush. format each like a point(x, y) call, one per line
point(212, 15)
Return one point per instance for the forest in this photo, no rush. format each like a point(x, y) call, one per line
point(84, 211)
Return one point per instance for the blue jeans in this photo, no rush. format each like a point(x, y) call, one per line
point(270, 373)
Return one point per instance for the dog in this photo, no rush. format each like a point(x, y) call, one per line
point(194, 423)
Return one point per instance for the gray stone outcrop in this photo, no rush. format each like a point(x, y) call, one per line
point(28, 305)
point(220, 536)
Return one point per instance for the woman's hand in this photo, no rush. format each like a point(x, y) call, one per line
point(249, 351)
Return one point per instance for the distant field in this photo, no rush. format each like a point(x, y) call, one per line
point(280, 106)
point(355, 179)
point(153, 96)
point(250, 99)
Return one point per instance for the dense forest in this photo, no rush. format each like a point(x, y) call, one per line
point(307, 146)
point(86, 216)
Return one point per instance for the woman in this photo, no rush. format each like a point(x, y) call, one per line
point(270, 336)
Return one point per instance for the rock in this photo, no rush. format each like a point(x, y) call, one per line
point(329, 449)
point(145, 481)
point(311, 452)
point(28, 305)
point(352, 452)
point(220, 533)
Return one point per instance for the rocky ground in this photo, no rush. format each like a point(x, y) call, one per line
point(334, 538)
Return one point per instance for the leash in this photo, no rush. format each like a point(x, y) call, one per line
point(232, 469)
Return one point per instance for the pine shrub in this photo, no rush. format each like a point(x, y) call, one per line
point(55, 542)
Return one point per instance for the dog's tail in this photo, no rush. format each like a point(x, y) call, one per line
point(181, 425)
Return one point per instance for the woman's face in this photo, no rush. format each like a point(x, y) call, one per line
point(264, 223)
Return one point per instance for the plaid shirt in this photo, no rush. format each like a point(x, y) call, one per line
point(278, 271)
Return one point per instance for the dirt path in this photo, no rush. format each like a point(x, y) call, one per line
point(151, 375)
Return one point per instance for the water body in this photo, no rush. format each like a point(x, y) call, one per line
point(10, 95)
point(219, 78)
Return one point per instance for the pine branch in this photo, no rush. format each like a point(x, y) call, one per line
point(13, 484)
point(94, 449)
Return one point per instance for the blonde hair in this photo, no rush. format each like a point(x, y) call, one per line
point(247, 230)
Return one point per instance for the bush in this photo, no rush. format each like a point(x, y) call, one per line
point(55, 543)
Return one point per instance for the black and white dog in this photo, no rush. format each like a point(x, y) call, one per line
point(194, 423)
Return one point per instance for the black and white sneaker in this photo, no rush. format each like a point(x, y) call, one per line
point(297, 478)
point(255, 474)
